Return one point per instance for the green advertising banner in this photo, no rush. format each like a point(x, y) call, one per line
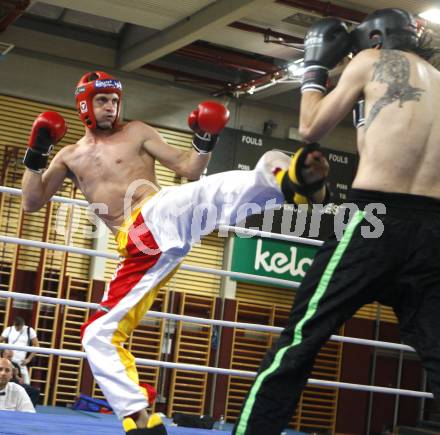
point(273, 258)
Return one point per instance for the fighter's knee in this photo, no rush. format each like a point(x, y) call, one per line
point(89, 339)
point(272, 160)
point(98, 338)
point(85, 338)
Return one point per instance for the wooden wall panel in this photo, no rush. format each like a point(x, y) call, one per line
point(317, 407)
point(192, 346)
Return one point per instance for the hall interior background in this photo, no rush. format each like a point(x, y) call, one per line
point(72, 276)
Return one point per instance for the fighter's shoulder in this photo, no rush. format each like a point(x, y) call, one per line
point(366, 58)
point(140, 129)
point(67, 150)
point(136, 125)
point(362, 65)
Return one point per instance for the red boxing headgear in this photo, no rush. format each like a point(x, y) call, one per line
point(90, 84)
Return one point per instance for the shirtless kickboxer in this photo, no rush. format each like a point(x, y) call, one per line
point(398, 121)
point(155, 228)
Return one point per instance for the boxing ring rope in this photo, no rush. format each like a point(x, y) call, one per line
point(17, 192)
point(237, 230)
point(191, 319)
point(93, 253)
point(267, 235)
point(221, 371)
point(200, 320)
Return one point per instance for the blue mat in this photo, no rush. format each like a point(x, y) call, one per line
point(50, 420)
point(64, 421)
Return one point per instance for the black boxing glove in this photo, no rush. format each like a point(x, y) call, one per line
point(359, 113)
point(326, 43)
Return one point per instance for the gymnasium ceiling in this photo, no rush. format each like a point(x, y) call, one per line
point(233, 47)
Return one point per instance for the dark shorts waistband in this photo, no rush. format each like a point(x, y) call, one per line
point(394, 200)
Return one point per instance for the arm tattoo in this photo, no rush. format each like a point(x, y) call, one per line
point(393, 69)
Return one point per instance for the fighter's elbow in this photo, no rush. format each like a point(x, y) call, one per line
point(308, 133)
point(27, 208)
point(193, 175)
point(192, 171)
point(305, 132)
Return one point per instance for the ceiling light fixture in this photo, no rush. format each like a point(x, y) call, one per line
point(296, 69)
point(432, 15)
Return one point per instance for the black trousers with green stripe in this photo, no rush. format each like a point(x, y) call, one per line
point(401, 268)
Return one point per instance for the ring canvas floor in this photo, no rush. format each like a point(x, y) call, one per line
point(51, 420)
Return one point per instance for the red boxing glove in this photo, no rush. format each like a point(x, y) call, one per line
point(47, 130)
point(207, 121)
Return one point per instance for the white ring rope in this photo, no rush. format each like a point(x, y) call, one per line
point(140, 361)
point(237, 230)
point(267, 235)
point(221, 371)
point(191, 319)
point(61, 199)
point(93, 253)
point(192, 367)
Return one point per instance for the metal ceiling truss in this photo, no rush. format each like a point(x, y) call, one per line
point(227, 58)
point(326, 9)
point(10, 10)
point(180, 40)
point(269, 34)
point(318, 7)
point(187, 31)
point(211, 84)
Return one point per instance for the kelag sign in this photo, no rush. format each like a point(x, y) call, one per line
point(272, 258)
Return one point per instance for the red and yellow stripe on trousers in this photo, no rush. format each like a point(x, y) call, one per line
point(143, 270)
point(151, 256)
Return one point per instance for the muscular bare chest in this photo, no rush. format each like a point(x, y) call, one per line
point(109, 166)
